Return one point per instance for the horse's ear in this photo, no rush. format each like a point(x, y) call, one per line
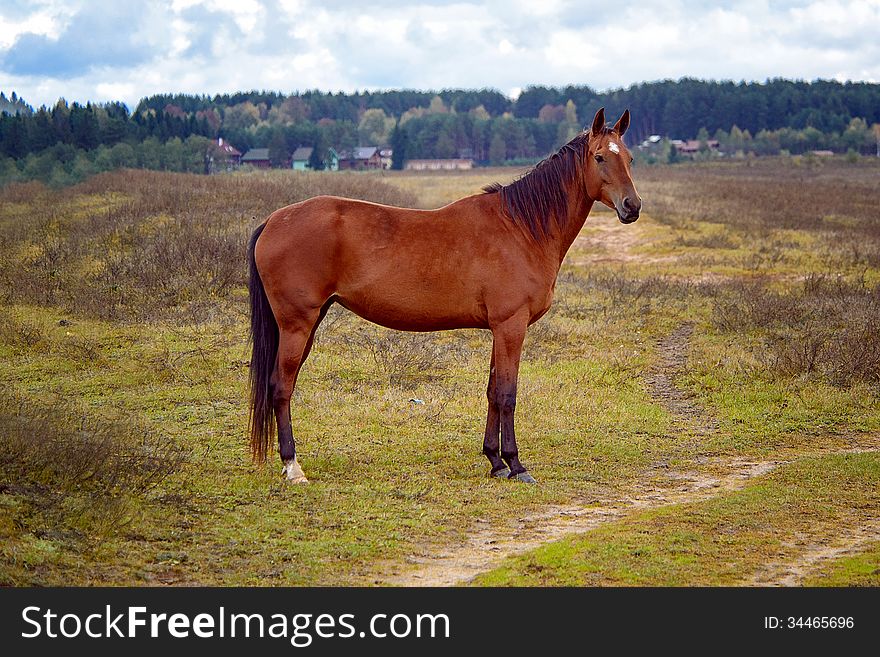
point(598, 122)
point(622, 124)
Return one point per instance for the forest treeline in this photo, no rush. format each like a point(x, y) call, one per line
point(69, 141)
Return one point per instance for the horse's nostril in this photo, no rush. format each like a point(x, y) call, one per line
point(631, 205)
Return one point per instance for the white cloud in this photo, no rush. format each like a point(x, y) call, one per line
point(113, 90)
point(45, 22)
point(213, 46)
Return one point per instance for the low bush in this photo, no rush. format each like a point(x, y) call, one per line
point(135, 245)
point(827, 326)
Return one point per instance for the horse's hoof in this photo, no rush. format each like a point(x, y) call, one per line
point(524, 477)
point(503, 473)
point(293, 473)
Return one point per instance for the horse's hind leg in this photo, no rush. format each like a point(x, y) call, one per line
point(294, 344)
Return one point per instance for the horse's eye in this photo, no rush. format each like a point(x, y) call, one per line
point(631, 160)
point(600, 159)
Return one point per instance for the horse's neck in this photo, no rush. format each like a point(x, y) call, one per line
point(579, 206)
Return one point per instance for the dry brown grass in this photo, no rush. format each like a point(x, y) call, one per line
point(826, 327)
point(838, 202)
point(390, 473)
point(137, 244)
point(75, 470)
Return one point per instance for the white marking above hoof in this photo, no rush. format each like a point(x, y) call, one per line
point(293, 473)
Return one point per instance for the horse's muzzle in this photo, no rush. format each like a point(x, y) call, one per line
point(628, 210)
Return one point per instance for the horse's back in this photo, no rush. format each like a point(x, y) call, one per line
point(401, 268)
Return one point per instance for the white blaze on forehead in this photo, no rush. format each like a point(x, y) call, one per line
point(613, 147)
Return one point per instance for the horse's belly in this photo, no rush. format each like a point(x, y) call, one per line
point(413, 312)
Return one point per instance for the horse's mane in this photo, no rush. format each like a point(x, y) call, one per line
point(540, 196)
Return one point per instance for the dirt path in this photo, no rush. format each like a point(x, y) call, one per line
point(488, 543)
point(814, 556)
point(671, 364)
point(606, 240)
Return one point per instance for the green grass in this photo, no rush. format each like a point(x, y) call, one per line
point(723, 541)
point(861, 569)
point(390, 477)
point(386, 474)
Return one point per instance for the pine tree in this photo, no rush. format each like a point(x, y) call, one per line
point(398, 147)
point(316, 159)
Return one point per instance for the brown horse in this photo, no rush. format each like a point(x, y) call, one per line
point(487, 261)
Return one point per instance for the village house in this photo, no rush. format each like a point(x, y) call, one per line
point(229, 152)
point(299, 161)
point(387, 157)
point(222, 156)
point(692, 146)
point(360, 159)
point(447, 164)
point(257, 158)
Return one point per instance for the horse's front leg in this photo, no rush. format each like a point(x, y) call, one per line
point(491, 441)
point(507, 350)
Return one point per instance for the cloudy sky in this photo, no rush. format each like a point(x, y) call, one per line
point(119, 50)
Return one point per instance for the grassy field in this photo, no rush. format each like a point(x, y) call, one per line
point(735, 321)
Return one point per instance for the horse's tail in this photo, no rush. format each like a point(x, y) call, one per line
point(264, 337)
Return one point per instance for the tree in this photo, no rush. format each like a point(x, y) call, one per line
point(445, 146)
point(857, 136)
point(571, 112)
point(122, 155)
point(316, 159)
point(241, 116)
point(497, 149)
point(532, 99)
point(565, 132)
point(480, 113)
point(61, 122)
point(150, 154)
point(278, 152)
point(292, 110)
point(437, 106)
point(374, 127)
point(41, 133)
point(195, 153)
point(552, 114)
point(398, 147)
point(84, 126)
point(736, 139)
point(175, 155)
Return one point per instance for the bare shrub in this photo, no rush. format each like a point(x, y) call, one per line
point(749, 305)
point(23, 335)
point(65, 449)
point(547, 339)
point(615, 292)
point(405, 359)
point(136, 245)
point(22, 192)
point(826, 327)
point(713, 241)
point(83, 349)
point(77, 471)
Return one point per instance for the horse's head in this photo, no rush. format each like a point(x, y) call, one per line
point(607, 168)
